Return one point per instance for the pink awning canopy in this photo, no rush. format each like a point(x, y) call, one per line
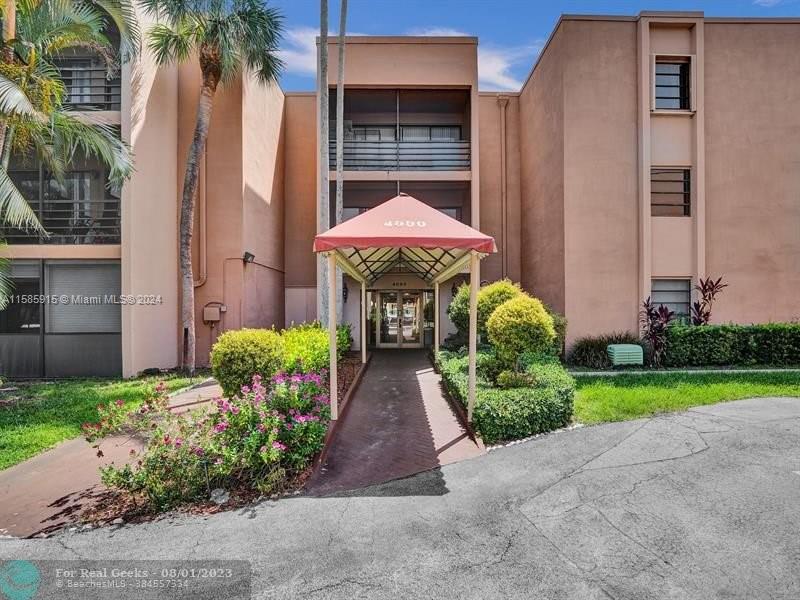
point(403, 234)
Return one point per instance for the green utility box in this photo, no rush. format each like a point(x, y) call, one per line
point(625, 354)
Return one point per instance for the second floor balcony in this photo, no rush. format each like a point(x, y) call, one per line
point(403, 130)
point(87, 84)
point(80, 208)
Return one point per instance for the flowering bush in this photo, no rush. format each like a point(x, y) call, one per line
point(260, 438)
point(115, 416)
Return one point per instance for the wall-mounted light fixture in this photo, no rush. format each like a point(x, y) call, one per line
point(345, 291)
point(248, 257)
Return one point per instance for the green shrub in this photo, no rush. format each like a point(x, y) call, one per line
point(514, 379)
point(306, 348)
point(507, 414)
point(458, 310)
point(240, 354)
point(490, 297)
point(772, 344)
point(520, 325)
point(560, 325)
point(591, 352)
point(344, 339)
point(261, 439)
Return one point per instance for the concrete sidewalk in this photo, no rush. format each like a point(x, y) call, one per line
point(47, 491)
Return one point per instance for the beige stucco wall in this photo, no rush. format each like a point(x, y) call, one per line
point(541, 147)
point(492, 182)
point(752, 95)
point(263, 203)
point(600, 176)
point(149, 250)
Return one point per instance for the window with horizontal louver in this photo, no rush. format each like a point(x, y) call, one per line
point(86, 285)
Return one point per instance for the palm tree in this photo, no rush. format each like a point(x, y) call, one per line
point(32, 115)
point(340, 135)
point(323, 212)
point(228, 37)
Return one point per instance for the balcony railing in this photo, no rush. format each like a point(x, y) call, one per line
point(373, 155)
point(72, 222)
point(87, 86)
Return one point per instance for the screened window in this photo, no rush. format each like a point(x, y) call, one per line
point(88, 287)
point(670, 192)
point(23, 313)
point(675, 294)
point(672, 85)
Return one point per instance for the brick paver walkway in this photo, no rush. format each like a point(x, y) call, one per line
point(399, 424)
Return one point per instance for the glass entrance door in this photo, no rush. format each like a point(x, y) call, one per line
point(399, 319)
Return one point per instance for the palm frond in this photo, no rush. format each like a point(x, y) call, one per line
point(6, 286)
point(123, 14)
point(14, 208)
point(171, 43)
point(14, 101)
point(72, 133)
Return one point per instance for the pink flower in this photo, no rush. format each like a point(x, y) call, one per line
point(245, 389)
point(197, 450)
point(218, 461)
point(221, 426)
point(178, 442)
point(278, 446)
point(119, 402)
point(261, 428)
point(167, 440)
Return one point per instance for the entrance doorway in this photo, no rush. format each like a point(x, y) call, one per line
point(400, 319)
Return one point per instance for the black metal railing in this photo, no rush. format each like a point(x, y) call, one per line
point(391, 155)
point(88, 86)
point(72, 222)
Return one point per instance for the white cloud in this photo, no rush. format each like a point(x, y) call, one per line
point(496, 64)
point(768, 3)
point(299, 51)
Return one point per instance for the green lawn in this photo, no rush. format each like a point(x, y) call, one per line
point(622, 397)
point(40, 415)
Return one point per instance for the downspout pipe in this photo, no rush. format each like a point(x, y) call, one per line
point(503, 102)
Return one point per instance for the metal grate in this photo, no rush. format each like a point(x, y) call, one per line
point(672, 86)
point(670, 192)
point(88, 86)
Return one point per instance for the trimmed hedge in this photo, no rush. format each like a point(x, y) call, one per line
point(238, 355)
point(306, 348)
point(773, 344)
point(508, 414)
point(591, 352)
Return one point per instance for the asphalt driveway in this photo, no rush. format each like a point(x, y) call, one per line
point(703, 504)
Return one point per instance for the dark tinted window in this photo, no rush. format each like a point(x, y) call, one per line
point(672, 85)
point(670, 192)
point(22, 315)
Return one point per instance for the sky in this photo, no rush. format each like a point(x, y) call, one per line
point(511, 32)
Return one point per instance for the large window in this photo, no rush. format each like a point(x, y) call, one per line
point(670, 192)
point(673, 87)
point(675, 294)
point(73, 328)
point(81, 208)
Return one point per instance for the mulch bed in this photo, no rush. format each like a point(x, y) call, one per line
point(111, 505)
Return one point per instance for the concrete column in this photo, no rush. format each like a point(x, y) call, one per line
point(332, 335)
point(363, 322)
point(474, 284)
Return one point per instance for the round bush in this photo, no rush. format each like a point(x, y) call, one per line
point(240, 354)
point(492, 296)
point(458, 310)
point(520, 325)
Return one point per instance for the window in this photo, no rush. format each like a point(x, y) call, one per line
point(453, 213)
point(672, 85)
point(23, 314)
point(348, 212)
point(675, 294)
point(670, 192)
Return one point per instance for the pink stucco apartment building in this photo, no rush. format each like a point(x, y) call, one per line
point(640, 154)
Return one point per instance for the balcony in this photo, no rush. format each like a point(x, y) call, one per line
point(87, 84)
point(403, 130)
point(404, 155)
point(80, 209)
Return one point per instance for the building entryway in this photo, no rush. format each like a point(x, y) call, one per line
point(400, 319)
point(399, 424)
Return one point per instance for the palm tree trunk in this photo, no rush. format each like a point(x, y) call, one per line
point(211, 75)
point(340, 138)
point(323, 210)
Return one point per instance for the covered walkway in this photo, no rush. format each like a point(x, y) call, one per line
point(399, 423)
